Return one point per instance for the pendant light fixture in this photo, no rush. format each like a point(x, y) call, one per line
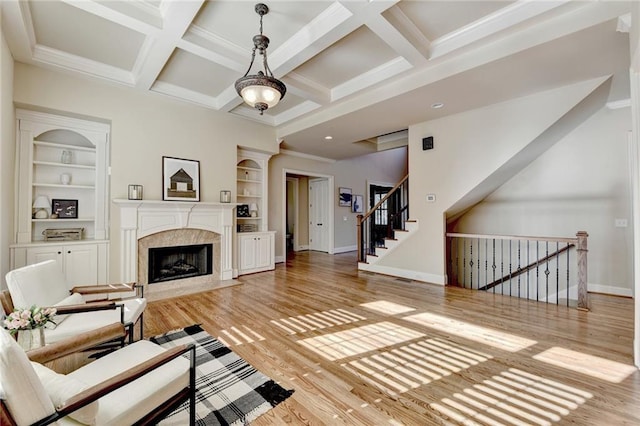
point(262, 90)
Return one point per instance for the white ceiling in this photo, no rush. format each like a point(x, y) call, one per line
point(354, 69)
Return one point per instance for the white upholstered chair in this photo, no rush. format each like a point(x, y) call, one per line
point(138, 384)
point(43, 284)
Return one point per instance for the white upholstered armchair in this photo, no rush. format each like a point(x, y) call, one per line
point(43, 284)
point(138, 384)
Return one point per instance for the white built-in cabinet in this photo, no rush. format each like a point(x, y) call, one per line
point(255, 243)
point(63, 158)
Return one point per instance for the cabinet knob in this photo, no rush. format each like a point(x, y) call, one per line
point(59, 252)
point(69, 251)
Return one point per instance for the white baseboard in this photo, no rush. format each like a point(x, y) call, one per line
point(608, 289)
point(404, 273)
point(301, 248)
point(279, 259)
point(345, 249)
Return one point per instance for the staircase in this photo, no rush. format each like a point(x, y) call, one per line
point(383, 228)
point(390, 244)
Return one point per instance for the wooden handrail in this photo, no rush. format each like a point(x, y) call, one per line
point(568, 240)
point(385, 198)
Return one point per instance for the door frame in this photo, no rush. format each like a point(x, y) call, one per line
point(330, 198)
point(296, 217)
point(371, 182)
point(325, 208)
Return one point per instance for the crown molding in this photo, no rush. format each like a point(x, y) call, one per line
point(307, 156)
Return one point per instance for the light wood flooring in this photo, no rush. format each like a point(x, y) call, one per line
point(366, 349)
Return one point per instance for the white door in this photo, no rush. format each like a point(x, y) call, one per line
point(81, 265)
point(318, 215)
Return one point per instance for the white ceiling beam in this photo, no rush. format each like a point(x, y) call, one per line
point(177, 19)
point(493, 23)
point(18, 29)
point(409, 30)
point(306, 88)
point(186, 95)
point(371, 77)
point(394, 38)
point(114, 15)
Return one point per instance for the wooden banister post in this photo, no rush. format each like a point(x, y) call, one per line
point(359, 238)
point(581, 248)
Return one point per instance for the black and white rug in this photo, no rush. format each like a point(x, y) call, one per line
point(229, 390)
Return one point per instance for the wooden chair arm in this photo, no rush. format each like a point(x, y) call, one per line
point(106, 288)
point(6, 301)
point(86, 307)
point(98, 391)
point(77, 343)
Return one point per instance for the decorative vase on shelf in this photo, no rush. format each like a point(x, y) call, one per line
point(31, 338)
point(67, 157)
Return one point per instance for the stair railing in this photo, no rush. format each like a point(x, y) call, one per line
point(537, 268)
point(367, 242)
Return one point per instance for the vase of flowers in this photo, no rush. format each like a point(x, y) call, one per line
point(28, 325)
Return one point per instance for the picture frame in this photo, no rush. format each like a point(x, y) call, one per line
point(65, 209)
point(180, 179)
point(358, 204)
point(344, 197)
point(243, 210)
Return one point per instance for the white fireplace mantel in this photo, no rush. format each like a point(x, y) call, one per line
point(139, 218)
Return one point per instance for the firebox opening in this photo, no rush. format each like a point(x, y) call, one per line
point(172, 263)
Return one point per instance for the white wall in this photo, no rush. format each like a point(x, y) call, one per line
point(385, 166)
point(7, 154)
point(468, 148)
point(581, 183)
point(144, 127)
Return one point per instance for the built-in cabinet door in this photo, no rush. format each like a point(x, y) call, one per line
point(81, 265)
point(40, 254)
point(247, 245)
point(263, 251)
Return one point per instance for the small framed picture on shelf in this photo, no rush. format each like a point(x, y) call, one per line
point(243, 210)
point(64, 209)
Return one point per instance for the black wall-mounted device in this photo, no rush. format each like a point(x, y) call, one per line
point(427, 143)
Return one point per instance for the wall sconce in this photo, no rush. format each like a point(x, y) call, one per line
point(225, 196)
point(135, 192)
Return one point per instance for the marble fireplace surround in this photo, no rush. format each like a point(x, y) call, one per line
point(141, 219)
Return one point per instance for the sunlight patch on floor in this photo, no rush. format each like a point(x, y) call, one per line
point(488, 336)
point(356, 341)
point(387, 308)
point(594, 366)
point(317, 321)
point(515, 397)
point(414, 365)
point(235, 336)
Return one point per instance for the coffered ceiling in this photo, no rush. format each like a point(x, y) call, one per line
point(354, 70)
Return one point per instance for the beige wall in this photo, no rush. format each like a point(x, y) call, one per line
point(7, 154)
point(468, 148)
point(581, 183)
point(385, 166)
point(144, 127)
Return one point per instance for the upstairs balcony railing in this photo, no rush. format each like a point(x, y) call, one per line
point(389, 214)
point(537, 268)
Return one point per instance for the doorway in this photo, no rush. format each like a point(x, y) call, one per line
point(385, 218)
point(301, 239)
point(318, 214)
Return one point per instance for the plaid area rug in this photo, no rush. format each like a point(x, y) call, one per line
point(229, 390)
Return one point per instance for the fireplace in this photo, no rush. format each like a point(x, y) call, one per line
point(146, 224)
point(176, 262)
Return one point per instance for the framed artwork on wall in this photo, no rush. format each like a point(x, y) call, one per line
point(344, 197)
point(180, 179)
point(357, 205)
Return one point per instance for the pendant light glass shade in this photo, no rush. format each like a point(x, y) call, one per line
point(262, 90)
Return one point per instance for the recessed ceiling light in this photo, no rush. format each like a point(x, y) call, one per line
point(437, 105)
point(328, 137)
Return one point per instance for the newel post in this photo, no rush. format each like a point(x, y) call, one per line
point(359, 238)
point(581, 248)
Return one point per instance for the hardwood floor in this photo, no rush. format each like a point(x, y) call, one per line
point(366, 349)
